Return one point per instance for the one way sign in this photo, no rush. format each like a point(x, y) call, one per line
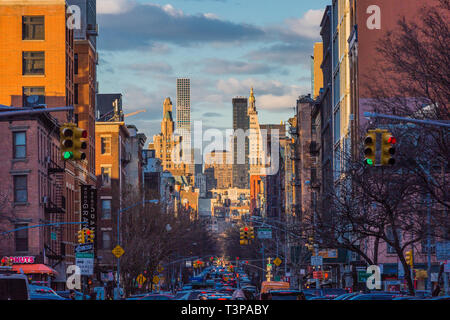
point(84, 247)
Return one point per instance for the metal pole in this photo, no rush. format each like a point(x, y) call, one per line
point(425, 122)
point(429, 286)
point(118, 242)
point(34, 111)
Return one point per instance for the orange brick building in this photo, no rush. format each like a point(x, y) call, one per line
point(111, 159)
point(36, 58)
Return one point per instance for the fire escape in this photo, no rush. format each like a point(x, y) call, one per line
point(55, 209)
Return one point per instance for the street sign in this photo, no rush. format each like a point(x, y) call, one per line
point(264, 233)
point(443, 251)
point(316, 260)
point(83, 247)
point(362, 276)
point(53, 235)
point(118, 251)
point(85, 261)
point(155, 279)
point(277, 261)
point(141, 279)
point(160, 269)
point(329, 253)
point(84, 255)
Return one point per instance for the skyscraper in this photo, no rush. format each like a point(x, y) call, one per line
point(240, 121)
point(183, 126)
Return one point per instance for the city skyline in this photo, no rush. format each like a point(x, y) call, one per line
point(225, 48)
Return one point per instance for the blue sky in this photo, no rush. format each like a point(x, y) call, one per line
point(223, 46)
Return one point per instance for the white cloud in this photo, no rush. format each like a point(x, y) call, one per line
point(269, 94)
point(307, 26)
point(169, 9)
point(114, 6)
point(211, 16)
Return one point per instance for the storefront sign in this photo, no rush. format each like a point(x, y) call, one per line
point(21, 259)
point(89, 207)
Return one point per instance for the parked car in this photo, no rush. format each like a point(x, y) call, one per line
point(284, 294)
point(441, 298)
point(14, 286)
point(373, 296)
point(157, 297)
point(346, 296)
point(78, 295)
point(43, 293)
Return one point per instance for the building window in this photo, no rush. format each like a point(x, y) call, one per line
point(75, 93)
point(106, 209)
point(20, 147)
point(390, 236)
point(21, 238)
point(39, 92)
point(106, 176)
point(33, 28)
point(33, 63)
point(75, 63)
point(106, 240)
point(20, 189)
point(106, 145)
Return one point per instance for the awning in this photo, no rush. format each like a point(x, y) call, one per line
point(34, 269)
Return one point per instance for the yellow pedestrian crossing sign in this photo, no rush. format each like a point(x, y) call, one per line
point(118, 251)
point(155, 279)
point(141, 279)
point(277, 261)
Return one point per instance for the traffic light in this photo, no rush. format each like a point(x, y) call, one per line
point(409, 258)
point(79, 143)
point(388, 149)
point(369, 148)
point(243, 236)
point(82, 236)
point(90, 235)
point(251, 233)
point(66, 141)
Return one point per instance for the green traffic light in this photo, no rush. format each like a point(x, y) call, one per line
point(67, 155)
point(369, 162)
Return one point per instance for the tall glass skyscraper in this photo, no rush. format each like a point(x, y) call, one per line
point(183, 126)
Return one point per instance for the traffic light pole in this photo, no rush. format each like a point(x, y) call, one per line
point(22, 112)
point(422, 122)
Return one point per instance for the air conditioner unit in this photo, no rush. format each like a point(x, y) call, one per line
point(47, 159)
point(44, 200)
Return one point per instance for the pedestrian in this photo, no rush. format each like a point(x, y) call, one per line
point(436, 291)
point(72, 294)
point(92, 295)
point(301, 296)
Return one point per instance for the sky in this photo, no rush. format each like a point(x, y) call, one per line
point(224, 46)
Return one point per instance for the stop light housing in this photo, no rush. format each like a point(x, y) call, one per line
point(82, 236)
point(251, 233)
point(409, 258)
point(79, 143)
point(66, 134)
point(90, 235)
point(370, 148)
point(388, 149)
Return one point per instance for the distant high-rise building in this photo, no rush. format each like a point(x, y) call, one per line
point(165, 143)
point(183, 126)
point(240, 122)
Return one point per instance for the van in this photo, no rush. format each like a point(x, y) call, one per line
point(266, 286)
point(13, 286)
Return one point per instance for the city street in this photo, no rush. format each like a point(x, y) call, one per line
point(222, 150)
